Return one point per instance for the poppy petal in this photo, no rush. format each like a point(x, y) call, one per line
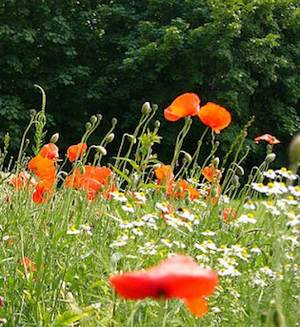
point(214, 116)
point(184, 105)
point(197, 306)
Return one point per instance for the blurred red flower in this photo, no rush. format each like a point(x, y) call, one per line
point(211, 173)
point(76, 151)
point(42, 193)
point(267, 137)
point(186, 104)
point(214, 116)
point(177, 277)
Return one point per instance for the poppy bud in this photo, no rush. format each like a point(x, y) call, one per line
point(240, 170)
point(156, 166)
point(294, 152)
point(100, 149)
point(93, 119)
point(187, 156)
point(216, 161)
point(54, 138)
point(270, 157)
point(157, 124)
point(88, 125)
point(110, 137)
point(146, 108)
point(32, 112)
point(114, 121)
point(27, 141)
point(131, 138)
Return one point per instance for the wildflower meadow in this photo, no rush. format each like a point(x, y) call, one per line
point(92, 238)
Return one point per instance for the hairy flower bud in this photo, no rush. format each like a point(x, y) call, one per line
point(88, 125)
point(157, 124)
point(110, 137)
point(240, 170)
point(131, 138)
point(54, 138)
point(100, 149)
point(187, 156)
point(114, 122)
point(216, 161)
point(146, 108)
point(294, 150)
point(93, 119)
point(270, 157)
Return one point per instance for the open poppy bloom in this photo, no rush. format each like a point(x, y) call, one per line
point(214, 116)
point(183, 187)
point(23, 179)
point(44, 168)
point(42, 193)
point(211, 173)
point(229, 214)
point(184, 105)
point(176, 277)
point(76, 151)
point(91, 179)
point(30, 267)
point(50, 151)
point(267, 137)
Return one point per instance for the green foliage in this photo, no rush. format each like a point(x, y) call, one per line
point(108, 57)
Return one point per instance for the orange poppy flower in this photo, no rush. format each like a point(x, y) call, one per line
point(50, 151)
point(42, 193)
point(76, 151)
point(214, 116)
point(44, 168)
point(211, 173)
point(176, 277)
point(22, 180)
point(184, 105)
point(164, 173)
point(182, 188)
point(267, 137)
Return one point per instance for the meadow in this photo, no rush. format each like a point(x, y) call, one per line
point(138, 242)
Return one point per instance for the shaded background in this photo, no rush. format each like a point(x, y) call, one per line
point(110, 57)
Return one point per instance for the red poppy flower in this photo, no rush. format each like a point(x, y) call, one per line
point(211, 173)
point(267, 137)
point(30, 266)
point(44, 168)
point(50, 151)
point(176, 277)
point(42, 193)
point(76, 151)
point(22, 180)
point(186, 104)
point(214, 116)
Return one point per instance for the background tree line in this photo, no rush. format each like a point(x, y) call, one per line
point(109, 57)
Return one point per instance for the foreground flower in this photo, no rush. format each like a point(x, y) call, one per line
point(268, 138)
point(214, 116)
point(177, 277)
point(184, 105)
point(76, 151)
